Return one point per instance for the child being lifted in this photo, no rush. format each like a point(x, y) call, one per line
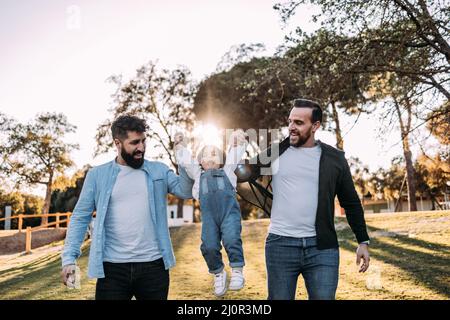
point(215, 188)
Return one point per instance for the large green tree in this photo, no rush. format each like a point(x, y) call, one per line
point(227, 97)
point(382, 30)
point(405, 45)
point(401, 106)
point(35, 153)
point(257, 93)
point(319, 64)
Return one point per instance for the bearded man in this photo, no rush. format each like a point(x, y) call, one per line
point(306, 177)
point(131, 252)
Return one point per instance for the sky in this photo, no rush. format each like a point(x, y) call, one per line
point(57, 55)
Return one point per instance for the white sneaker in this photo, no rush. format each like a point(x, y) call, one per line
point(220, 283)
point(237, 280)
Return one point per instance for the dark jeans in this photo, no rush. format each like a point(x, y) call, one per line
point(143, 280)
point(288, 257)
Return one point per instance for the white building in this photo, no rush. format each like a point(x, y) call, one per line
point(173, 220)
point(177, 221)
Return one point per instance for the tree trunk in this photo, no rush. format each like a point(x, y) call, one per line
point(433, 206)
point(399, 200)
point(410, 175)
point(434, 201)
point(48, 197)
point(180, 205)
point(338, 132)
point(411, 179)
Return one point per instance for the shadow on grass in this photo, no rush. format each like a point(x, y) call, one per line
point(35, 282)
point(427, 268)
point(40, 278)
point(29, 266)
point(36, 279)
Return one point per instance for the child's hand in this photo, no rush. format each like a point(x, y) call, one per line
point(238, 138)
point(179, 140)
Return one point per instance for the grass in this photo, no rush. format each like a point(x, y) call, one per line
point(409, 260)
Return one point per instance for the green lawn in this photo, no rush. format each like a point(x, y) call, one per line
point(410, 260)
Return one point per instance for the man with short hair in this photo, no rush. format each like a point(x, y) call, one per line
point(302, 239)
point(131, 251)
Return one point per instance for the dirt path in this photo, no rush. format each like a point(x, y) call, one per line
point(12, 241)
point(14, 260)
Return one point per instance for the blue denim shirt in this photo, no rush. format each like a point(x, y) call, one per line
point(95, 196)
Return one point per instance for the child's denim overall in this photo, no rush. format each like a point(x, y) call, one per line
point(221, 221)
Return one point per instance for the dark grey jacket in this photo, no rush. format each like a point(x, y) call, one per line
point(335, 179)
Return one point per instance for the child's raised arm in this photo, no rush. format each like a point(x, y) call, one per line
point(238, 145)
point(184, 157)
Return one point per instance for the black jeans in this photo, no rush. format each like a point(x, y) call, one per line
point(143, 280)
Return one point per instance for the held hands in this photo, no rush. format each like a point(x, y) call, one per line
point(362, 253)
point(238, 138)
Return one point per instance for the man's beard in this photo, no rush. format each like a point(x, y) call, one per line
point(130, 160)
point(301, 139)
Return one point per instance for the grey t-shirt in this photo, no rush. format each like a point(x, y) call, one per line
point(295, 185)
point(129, 230)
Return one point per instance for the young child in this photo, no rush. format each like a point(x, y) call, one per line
point(214, 187)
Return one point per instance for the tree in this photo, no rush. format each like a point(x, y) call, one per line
point(21, 203)
point(401, 104)
point(360, 174)
point(35, 153)
point(320, 62)
point(435, 168)
point(225, 97)
point(257, 93)
point(67, 191)
point(239, 54)
point(439, 124)
point(383, 29)
point(14, 200)
point(389, 182)
point(163, 97)
point(433, 175)
point(405, 39)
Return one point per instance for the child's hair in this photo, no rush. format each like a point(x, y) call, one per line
point(218, 150)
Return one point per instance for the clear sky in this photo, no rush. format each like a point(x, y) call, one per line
point(56, 56)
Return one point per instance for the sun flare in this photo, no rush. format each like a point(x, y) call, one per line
point(208, 134)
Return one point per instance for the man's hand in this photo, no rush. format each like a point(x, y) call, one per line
point(237, 138)
point(362, 253)
point(66, 272)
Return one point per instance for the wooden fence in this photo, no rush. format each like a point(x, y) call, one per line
point(29, 230)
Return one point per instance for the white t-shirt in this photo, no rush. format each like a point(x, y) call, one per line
point(129, 231)
point(295, 184)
